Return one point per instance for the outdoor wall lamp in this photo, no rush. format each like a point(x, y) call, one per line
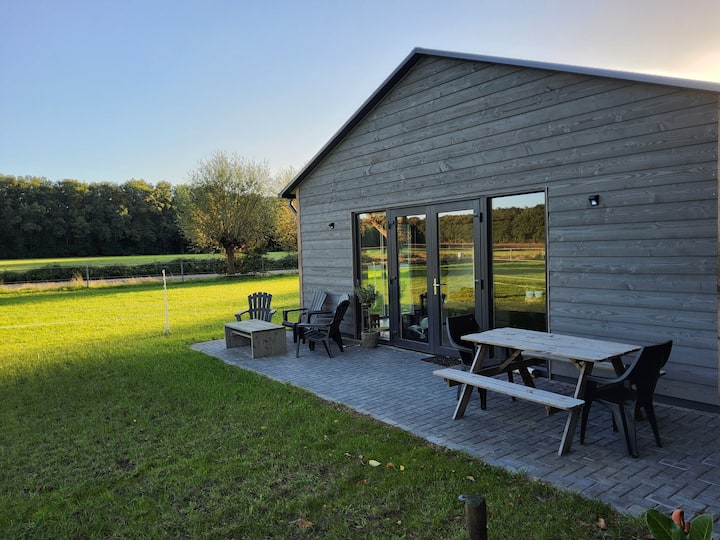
point(331, 226)
point(594, 200)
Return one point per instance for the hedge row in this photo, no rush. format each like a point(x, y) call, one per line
point(179, 267)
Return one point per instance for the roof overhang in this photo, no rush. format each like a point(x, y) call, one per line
point(418, 53)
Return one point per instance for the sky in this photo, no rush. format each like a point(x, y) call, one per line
point(109, 91)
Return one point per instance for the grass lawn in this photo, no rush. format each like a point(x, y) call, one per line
point(112, 428)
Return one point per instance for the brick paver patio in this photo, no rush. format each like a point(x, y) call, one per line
point(684, 473)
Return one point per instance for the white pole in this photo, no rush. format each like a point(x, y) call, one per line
point(167, 317)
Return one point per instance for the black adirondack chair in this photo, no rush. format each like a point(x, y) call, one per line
point(304, 314)
point(461, 325)
point(628, 393)
point(258, 307)
point(323, 329)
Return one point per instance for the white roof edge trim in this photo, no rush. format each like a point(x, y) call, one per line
point(690, 84)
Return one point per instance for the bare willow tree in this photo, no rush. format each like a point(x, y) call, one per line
point(227, 206)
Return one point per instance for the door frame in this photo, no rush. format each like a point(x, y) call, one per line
point(436, 327)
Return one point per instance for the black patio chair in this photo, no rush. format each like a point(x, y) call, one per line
point(258, 307)
point(304, 314)
point(323, 329)
point(461, 325)
point(628, 393)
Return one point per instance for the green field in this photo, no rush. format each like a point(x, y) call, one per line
point(21, 265)
point(114, 428)
point(512, 279)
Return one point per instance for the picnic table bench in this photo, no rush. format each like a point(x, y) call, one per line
point(551, 400)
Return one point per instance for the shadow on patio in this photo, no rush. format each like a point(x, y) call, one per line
point(396, 387)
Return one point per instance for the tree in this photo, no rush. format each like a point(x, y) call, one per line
point(225, 206)
point(170, 239)
point(285, 235)
point(70, 224)
point(104, 212)
point(12, 191)
point(139, 231)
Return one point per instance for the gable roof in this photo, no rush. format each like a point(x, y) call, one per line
point(418, 53)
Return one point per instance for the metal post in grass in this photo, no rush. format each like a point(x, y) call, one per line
point(182, 272)
point(87, 275)
point(167, 316)
point(475, 516)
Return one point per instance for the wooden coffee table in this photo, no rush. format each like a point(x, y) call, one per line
point(264, 338)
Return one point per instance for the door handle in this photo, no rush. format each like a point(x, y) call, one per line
point(436, 285)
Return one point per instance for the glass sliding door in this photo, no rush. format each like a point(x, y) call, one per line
point(436, 269)
point(484, 257)
point(412, 273)
point(456, 263)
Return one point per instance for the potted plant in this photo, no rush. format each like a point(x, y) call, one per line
point(367, 295)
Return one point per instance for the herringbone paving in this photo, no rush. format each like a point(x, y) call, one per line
point(396, 387)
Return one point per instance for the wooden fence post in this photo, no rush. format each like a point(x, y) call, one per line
point(475, 516)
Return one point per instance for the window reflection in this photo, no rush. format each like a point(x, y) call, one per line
point(412, 277)
point(372, 242)
point(519, 267)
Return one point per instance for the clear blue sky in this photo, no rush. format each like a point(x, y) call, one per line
point(104, 90)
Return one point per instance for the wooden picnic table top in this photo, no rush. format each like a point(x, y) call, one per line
point(253, 325)
point(551, 344)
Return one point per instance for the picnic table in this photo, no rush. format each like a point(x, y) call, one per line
point(583, 352)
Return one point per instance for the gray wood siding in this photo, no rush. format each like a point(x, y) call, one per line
point(641, 267)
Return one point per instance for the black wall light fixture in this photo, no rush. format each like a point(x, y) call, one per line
point(331, 226)
point(594, 200)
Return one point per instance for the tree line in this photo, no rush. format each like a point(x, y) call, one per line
point(519, 225)
point(524, 225)
point(69, 218)
point(39, 219)
point(228, 206)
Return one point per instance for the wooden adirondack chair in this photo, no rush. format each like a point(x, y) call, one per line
point(258, 307)
point(304, 314)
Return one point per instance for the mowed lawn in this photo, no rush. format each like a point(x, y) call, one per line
point(20, 265)
point(114, 428)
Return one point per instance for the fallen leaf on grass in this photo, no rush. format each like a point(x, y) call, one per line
point(373, 463)
point(601, 523)
point(471, 478)
point(304, 523)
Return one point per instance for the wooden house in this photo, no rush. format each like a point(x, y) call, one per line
point(559, 198)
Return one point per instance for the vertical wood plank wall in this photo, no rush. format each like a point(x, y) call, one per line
point(640, 267)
